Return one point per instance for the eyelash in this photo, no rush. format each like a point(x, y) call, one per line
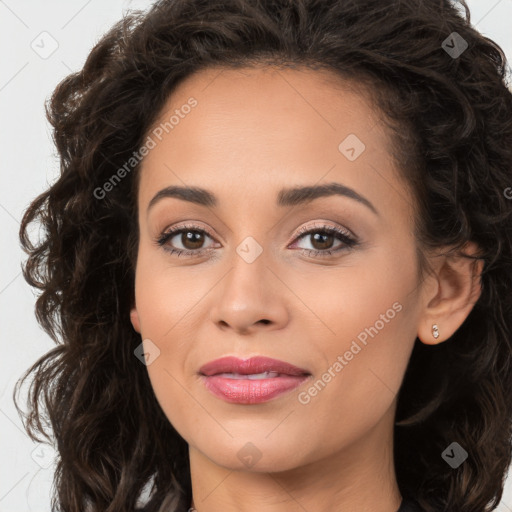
point(342, 235)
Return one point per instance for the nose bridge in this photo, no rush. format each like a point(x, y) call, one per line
point(247, 295)
point(246, 282)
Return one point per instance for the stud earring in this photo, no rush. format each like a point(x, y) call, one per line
point(435, 331)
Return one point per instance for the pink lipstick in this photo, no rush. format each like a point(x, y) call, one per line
point(251, 381)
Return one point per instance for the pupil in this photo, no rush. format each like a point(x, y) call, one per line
point(316, 237)
point(192, 237)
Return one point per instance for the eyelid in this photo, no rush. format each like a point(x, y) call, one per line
point(176, 229)
point(323, 225)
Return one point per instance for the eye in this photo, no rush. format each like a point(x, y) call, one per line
point(192, 238)
point(322, 238)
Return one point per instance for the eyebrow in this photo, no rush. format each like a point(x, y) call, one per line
point(286, 197)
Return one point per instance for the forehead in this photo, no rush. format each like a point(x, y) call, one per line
point(275, 97)
point(250, 128)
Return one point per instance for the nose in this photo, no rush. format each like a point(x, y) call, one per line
point(249, 298)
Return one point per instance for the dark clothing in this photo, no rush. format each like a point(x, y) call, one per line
point(409, 505)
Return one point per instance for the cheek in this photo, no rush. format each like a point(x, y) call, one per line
point(371, 319)
point(168, 301)
point(370, 297)
point(166, 295)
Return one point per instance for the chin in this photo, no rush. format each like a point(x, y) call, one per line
point(252, 455)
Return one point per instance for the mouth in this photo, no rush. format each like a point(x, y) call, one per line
point(250, 376)
point(251, 381)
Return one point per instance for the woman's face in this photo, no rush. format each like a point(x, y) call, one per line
point(260, 142)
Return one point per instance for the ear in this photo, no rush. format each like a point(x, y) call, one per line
point(135, 320)
point(450, 294)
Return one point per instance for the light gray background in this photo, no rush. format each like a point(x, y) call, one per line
point(29, 163)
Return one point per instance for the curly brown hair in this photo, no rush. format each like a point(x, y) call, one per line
point(451, 119)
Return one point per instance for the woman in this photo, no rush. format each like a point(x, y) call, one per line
point(278, 262)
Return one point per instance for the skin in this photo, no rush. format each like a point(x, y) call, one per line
point(253, 132)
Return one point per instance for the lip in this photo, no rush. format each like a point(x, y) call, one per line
point(250, 391)
point(257, 364)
